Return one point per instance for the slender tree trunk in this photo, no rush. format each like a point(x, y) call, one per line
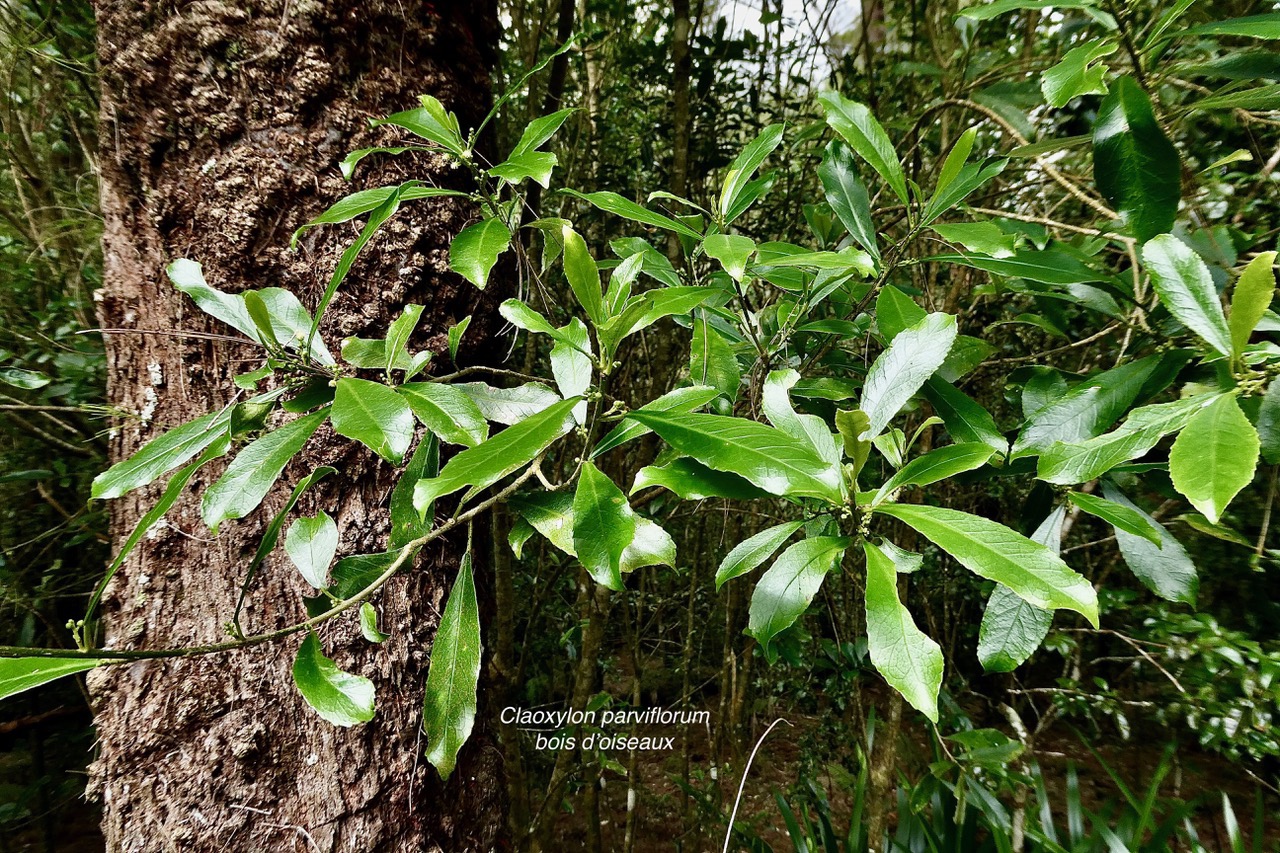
point(681, 69)
point(222, 126)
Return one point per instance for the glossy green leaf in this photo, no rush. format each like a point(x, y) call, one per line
point(369, 624)
point(985, 238)
point(971, 178)
point(712, 362)
point(732, 251)
point(852, 426)
point(899, 372)
point(371, 354)
point(475, 250)
point(786, 589)
point(1214, 456)
point(431, 122)
point(679, 400)
point(541, 129)
point(374, 415)
point(359, 203)
point(1118, 515)
point(854, 122)
point(509, 405)
point(255, 470)
point(312, 543)
point(19, 674)
point(406, 522)
point(338, 697)
point(1266, 26)
point(847, 195)
point(1077, 74)
point(456, 331)
point(611, 202)
point(161, 455)
point(537, 165)
point(25, 379)
point(745, 165)
point(752, 552)
point(448, 412)
point(987, 11)
point(1047, 266)
point(693, 481)
point(1134, 163)
point(964, 419)
point(1012, 629)
point(583, 275)
point(1269, 424)
point(895, 312)
point(937, 465)
point(907, 658)
point(1252, 297)
point(398, 335)
point(603, 526)
point(997, 553)
point(449, 703)
point(1185, 287)
point(487, 463)
point(775, 402)
point(767, 457)
point(551, 514)
point(571, 365)
point(1165, 568)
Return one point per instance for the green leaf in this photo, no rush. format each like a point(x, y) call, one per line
point(775, 402)
point(311, 544)
point(679, 400)
point(398, 336)
point(971, 177)
point(852, 426)
point(712, 362)
point(964, 419)
point(1269, 423)
point(611, 202)
point(761, 454)
point(255, 469)
point(571, 364)
point(1087, 409)
point(475, 250)
point(374, 415)
point(509, 450)
point(786, 589)
point(899, 372)
point(651, 546)
point(526, 164)
point(603, 526)
point(359, 203)
point(937, 465)
point(370, 354)
point(1251, 299)
point(907, 658)
point(431, 122)
point(895, 312)
point(449, 706)
point(338, 697)
point(732, 251)
point(1186, 288)
point(985, 238)
point(1047, 266)
point(446, 411)
point(1254, 26)
point(1065, 464)
point(406, 523)
point(745, 165)
point(509, 405)
point(1012, 629)
point(1121, 517)
point(1077, 74)
point(1214, 456)
point(26, 379)
point(161, 455)
point(995, 552)
point(19, 674)
point(693, 481)
point(583, 275)
point(1134, 163)
point(369, 624)
point(551, 514)
point(456, 331)
point(1165, 567)
point(854, 122)
point(847, 260)
point(751, 553)
point(847, 195)
point(541, 129)
point(987, 11)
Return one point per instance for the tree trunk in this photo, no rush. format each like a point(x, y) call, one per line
point(222, 128)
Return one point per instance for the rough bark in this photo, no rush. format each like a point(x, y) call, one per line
point(222, 126)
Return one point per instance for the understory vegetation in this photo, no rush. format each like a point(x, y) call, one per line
point(895, 383)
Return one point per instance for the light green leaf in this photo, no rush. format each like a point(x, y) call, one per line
point(311, 544)
point(848, 196)
point(374, 415)
point(551, 514)
point(406, 523)
point(786, 589)
point(899, 371)
point(679, 400)
point(583, 275)
point(446, 411)
point(1185, 288)
point(1076, 74)
point(986, 238)
point(1119, 516)
point(896, 311)
point(161, 455)
point(449, 704)
point(541, 129)
point(997, 553)
point(712, 362)
point(611, 202)
point(852, 426)
point(255, 469)
point(25, 379)
point(854, 122)
point(1165, 568)
point(19, 674)
point(398, 335)
point(937, 465)
point(651, 546)
point(338, 697)
point(369, 624)
point(752, 552)
point(509, 405)
point(456, 331)
point(847, 260)
point(371, 354)
point(431, 122)
point(526, 164)
point(359, 203)
point(1214, 456)
point(1012, 629)
point(1134, 163)
point(509, 450)
point(987, 11)
point(971, 177)
point(775, 402)
point(744, 166)
point(907, 658)
point(1252, 297)
point(955, 160)
point(765, 456)
point(1265, 26)
point(693, 481)
point(732, 251)
point(603, 526)
point(571, 364)
point(1047, 266)
point(475, 250)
